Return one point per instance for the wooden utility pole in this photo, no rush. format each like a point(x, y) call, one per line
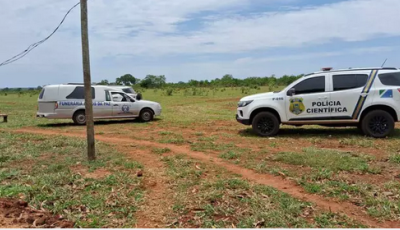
point(87, 81)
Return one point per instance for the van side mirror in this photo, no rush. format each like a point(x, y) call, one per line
point(291, 92)
point(139, 96)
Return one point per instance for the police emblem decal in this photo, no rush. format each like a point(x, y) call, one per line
point(125, 108)
point(296, 105)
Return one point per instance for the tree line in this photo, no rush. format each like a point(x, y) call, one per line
point(30, 89)
point(159, 81)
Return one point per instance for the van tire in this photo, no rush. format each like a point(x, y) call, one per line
point(377, 124)
point(79, 117)
point(146, 115)
point(266, 124)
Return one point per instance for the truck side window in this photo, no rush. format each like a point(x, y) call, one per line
point(311, 85)
point(349, 81)
point(391, 79)
point(79, 93)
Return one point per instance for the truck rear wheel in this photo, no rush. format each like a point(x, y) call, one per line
point(79, 117)
point(377, 124)
point(266, 124)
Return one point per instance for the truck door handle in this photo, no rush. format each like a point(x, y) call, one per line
point(325, 98)
point(115, 104)
point(364, 94)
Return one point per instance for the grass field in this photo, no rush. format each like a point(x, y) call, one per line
point(200, 168)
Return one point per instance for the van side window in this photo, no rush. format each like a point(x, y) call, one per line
point(349, 81)
point(108, 98)
point(41, 94)
point(311, 85)
point(79, 93)
point(120, 97)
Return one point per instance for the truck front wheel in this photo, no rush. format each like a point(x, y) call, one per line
point(266, 124)
point(377, 124)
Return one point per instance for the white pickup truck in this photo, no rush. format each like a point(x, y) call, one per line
point(368, 98)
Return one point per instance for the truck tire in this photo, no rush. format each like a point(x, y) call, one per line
point(377, 124)
point(79, 117)
point(266, 124)
point(146, 115)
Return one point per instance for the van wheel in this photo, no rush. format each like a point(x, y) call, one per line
point(377, 124)
point(79, 118)
point(266, 124)
point(146, 115)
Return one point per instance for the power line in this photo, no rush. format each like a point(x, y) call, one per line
point(36, 44)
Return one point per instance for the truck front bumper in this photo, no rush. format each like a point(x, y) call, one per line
point(242, 121)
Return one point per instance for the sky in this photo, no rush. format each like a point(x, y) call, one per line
point(196, 39)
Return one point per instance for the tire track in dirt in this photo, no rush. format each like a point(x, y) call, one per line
point(355, 212)
point(157, 206)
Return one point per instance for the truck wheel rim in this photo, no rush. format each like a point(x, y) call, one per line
point(378, 125)
point(265, 125)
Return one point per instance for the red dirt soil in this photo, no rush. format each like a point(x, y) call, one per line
point(17, 214)
point(355, 212)
point(156, 204)
point(83, 171)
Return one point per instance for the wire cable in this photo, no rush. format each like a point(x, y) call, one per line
point(36, 44)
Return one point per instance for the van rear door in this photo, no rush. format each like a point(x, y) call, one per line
point(45, 106)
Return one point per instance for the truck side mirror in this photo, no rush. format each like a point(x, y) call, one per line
point(291, 92)
point(139, 96)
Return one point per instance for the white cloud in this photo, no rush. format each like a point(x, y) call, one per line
point(357, 20)
point(313, 55)
point(150, 28)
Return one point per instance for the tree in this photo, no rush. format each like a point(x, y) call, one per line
point(39, 88)
point(126, 79)
point(153, 81)
point(103, 82)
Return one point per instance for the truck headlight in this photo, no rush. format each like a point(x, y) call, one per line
point(244, 103)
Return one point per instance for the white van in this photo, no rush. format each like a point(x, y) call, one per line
point(67, 101)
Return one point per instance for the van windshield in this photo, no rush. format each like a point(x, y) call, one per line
point(128, 90)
